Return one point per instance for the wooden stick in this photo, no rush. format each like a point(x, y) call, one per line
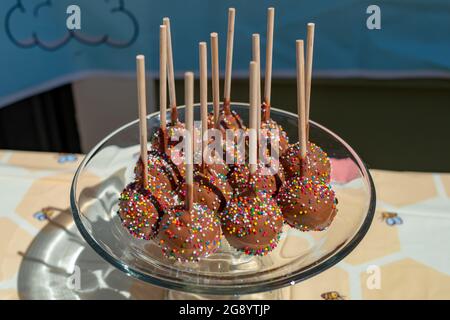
point(229, 61)
point(256, 56)
point(171, 74)
point(215, 76)
point(301, 108)
point(189, 100)
point(203, 96)
point(142, 104)
point(309, 64)
point(269, 53)
point(163, 75)
point(253, 143)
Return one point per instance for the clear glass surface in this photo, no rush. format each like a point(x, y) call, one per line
point(108, 168)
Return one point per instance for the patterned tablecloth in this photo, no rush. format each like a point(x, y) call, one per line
point(403, 256)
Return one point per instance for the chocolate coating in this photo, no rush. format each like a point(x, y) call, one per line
point(214, 166)
point(316, 165)
point(173, 131)
point(308, 205)
point(266, 179)
point(189, 235)
point(283, 142)
point(139, 212)
point(210, 191)
point(235, 156)
point(164, 176)
point(227, 120)
point(174, 136)
point(252, 223)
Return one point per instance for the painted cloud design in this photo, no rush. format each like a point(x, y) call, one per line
point(42, 23)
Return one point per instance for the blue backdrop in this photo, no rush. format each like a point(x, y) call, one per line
point(37, 51)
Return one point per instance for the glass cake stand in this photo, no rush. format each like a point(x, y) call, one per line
point(108, 168)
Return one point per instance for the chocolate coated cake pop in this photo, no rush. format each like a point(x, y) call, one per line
point(283, 142)
point(164, 175)
point(139, 211)
point(188, 235)
point(227, 120)
point(308, 205)
point(172, 132)
point(316, 166)
point(252, 222)
point(172, 136)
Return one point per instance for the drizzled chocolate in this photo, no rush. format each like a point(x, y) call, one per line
point(210, 191)
point(140, 211)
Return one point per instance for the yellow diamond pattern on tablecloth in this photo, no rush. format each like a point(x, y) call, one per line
point(412, 256)
point(15, 240)
point(380, 241)
point(409, 279)
point(47, 196)
point(403, 188)
point(446, 184)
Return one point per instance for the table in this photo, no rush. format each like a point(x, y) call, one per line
point(402, 257)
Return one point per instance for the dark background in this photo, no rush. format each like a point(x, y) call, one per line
point(392, 124)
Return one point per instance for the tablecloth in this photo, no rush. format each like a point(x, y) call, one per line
point(405, 254)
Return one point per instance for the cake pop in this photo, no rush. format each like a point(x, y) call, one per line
point(210, 191)
point(210, 186)
point(269, 127)
point(252, 222)
point(225, 118)
point(175, 128)
point(267, 179)
point(316, 164)
point(174, 132)
point(173, 136)
point(191, 231)
point(307, 202)
point(166, 176)
point(266, 122)
point(139, 211)
point(141, 203)
point(189, 234)
point(211, 163)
